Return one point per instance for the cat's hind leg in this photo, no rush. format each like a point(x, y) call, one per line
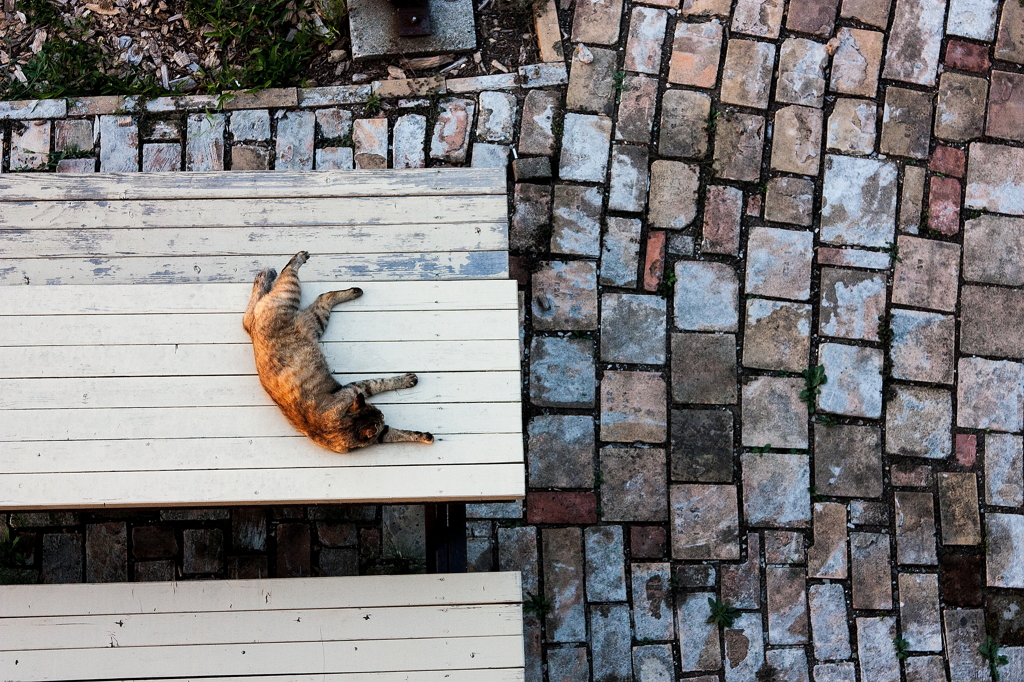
point(393, 435)
point(283, 299)
point(371, 387)
point(313, 320)
point(261, 286)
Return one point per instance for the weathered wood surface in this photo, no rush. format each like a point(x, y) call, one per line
point(127, 380)
point(451, 627)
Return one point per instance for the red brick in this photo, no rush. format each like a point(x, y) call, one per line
point(949, 161)
point(967, 56)
point(966, 449)
point(561, 508)
point(1006, 106)
point(654, 266)
point(648, 542)
point(944, 205)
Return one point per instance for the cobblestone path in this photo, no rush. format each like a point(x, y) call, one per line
point(709, 202)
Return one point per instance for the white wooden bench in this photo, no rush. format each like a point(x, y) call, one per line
point(126, 378)
point(457, 628)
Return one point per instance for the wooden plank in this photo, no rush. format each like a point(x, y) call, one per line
point(261, 626)
point(143, 213)
point(345, 325)
point(118, 299)
point(141, 423)
point(237, 391)
point(489, 675)
point(116, 663)
point(244, 241)
point(351, 485)
point(252, 184)
point(287, 452)
point(363, 267)
point(369, 591)
point(385, 357)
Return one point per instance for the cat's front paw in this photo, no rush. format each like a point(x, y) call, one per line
point(409, 380)
point(299, 259)
point(427, 438)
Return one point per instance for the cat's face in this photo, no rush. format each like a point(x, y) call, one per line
point(359, 425)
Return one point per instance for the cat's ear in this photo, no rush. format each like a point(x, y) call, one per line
point(358, 404)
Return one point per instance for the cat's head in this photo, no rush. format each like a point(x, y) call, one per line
point(359, 424)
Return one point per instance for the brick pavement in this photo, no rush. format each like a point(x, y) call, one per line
point(708, 200)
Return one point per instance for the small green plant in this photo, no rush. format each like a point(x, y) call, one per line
point(536, 605)
point(598, 479)
point(990, 652)
point(665, 288)
point(619, 83)
point(815, 497)
point(645, 640)
point(763, 449)
point(827, 420)
point(373, 104)
point(10, 555)
point(814, 379)
point(579, 334)
point(902, 647)
point(893, 249)
point(713, 119)
point(721, 613)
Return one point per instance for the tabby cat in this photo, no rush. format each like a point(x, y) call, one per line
point(294, 371)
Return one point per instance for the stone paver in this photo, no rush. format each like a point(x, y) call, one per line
point(855, 380)
point(915, 528)
point(777, 335)
point(859, 201)
point(775, 490)
point(801, 72)
point(828, 622)
point(704, 368)
point(926, 276)
point(747, 74)
point(797, 141)
point(633, 407)
point(869, 572)
point(906, 123)
point(915, 38)
point(848, 460)
point(696, 51)
point(919, 421)
point(704, 522)
point(634, 484)
point(990, 394)
point(669, 435)
point(958, 508)
point(851, 126)
point(779, 263)
point(702, 446)
point(856, 62)
point(684, 124)
point(1005, 554)
point(591, 86)
point(672, 202)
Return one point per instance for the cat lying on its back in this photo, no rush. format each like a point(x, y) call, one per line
point(295, 373)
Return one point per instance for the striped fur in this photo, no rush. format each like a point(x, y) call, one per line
point(295, 373)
